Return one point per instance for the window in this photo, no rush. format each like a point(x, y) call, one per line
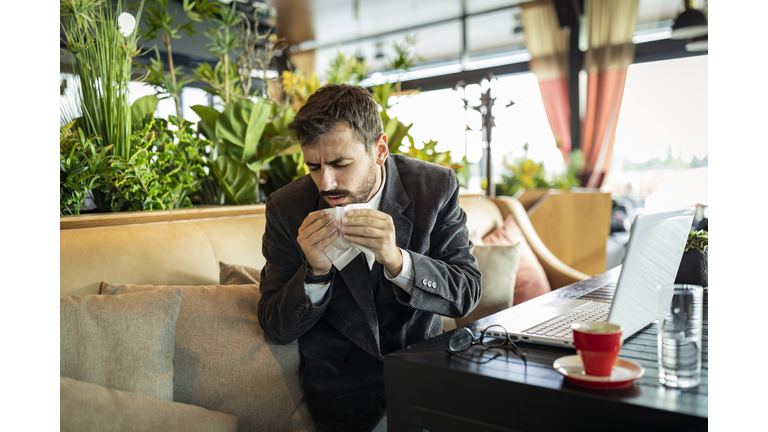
point(660, 153)
point(439, 115)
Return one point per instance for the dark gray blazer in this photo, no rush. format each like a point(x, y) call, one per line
point(364, 316)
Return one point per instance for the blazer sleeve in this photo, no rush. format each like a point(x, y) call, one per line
point(285, 311)
point(446, 278)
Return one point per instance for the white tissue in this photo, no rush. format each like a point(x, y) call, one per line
point(341, 251)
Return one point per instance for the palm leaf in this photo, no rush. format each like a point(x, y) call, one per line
point(237, 181)
point(240, 126)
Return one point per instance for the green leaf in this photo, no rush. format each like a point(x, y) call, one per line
point(281, 123)
point(269, 150)
point(236, 179)
point(381, 94)
point(396, 132)
point(207, 125)
point(77, 171)
point(141, 107)
point(429, 146)
point(390, 126)
point(240, 126)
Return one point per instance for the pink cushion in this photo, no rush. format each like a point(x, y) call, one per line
point(531, 279)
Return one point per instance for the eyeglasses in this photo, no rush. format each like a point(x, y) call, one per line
point(464, 339)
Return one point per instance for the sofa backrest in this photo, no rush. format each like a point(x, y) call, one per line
point(183, 252)
point(158, 253)
point(483, 216)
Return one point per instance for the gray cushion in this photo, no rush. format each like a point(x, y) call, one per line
point(498, 267)
point(223, 362)
point(88, 407)
point(124, 343)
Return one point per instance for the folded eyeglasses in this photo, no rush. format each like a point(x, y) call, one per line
point(464, 339)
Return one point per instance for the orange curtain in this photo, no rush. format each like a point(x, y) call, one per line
point(547, 43)
point(610, 25)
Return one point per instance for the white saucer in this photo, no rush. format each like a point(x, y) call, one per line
point(624, 373)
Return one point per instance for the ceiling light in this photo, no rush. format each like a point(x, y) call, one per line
point(650, 37)
point(698, 44)
point(307, 45)
point(126, 22)
point(378, 78)
point(689, 24)
point(515, 57)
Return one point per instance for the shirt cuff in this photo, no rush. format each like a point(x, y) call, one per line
point(316, 292)
point(405, 279)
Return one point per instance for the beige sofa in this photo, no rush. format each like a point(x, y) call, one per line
point(220, 372)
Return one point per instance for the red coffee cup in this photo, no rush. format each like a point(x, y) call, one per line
point(598, 344)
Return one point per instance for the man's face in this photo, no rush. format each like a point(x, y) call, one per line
point(342, 170)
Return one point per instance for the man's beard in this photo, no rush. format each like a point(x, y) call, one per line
point(359, 196)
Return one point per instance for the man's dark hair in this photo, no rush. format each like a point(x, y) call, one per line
point(334, 103)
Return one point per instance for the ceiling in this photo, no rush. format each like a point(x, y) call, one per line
point(369, 28)
point(330, 22)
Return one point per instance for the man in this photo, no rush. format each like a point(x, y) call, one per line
point(347, 320)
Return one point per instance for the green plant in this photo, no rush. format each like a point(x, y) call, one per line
point(82, 165)
point(221, 79)
point(255, 52)
point(698, 240)
point(429, 154)
point(283, 170)
point(102, 61)
point(298, 89)
point(527, 174)
point(404, 60)
point(251, 51)
point(240, 148)
point(247, 135)
point(343, 69)
point(400, 140)
point(159, 23)
point(163, 169)
point(286, 161)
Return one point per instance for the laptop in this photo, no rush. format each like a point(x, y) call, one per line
point(652, 258)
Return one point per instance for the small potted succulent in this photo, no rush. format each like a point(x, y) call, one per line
point(693, 266)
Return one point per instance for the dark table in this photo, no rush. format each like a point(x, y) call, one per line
point(428, 389)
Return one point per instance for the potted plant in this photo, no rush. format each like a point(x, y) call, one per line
point(110, 150)
point(525, 175)
point(693, 265)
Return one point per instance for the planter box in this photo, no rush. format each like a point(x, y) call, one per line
point(130, 218)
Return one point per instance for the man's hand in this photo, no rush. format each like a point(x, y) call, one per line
point(374, 229)
point(315, 234)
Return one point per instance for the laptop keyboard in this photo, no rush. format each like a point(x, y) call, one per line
point(560, 326)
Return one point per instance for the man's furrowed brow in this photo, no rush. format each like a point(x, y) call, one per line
point(330, 162)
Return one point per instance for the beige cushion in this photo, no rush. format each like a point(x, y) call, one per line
point(531, 279)
point(498, 266)
point(88, 407)
point(223, 362)
point(124, 343)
